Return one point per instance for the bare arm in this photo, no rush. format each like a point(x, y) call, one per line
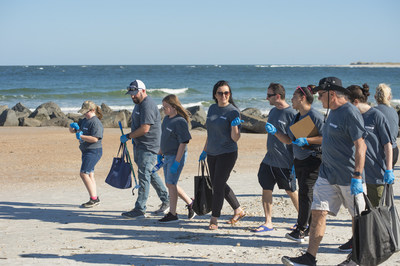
point(389, 155)
point(141, 131)
point(315, 140)
point(205, 145)
point(89, 139)
point(235, 133)
point(361, 148)
point(283, 138)
point(181, 150)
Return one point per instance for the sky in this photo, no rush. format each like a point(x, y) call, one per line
point(130, 32)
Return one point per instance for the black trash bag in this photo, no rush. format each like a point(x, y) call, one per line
point(203, 191)
point(120, 172)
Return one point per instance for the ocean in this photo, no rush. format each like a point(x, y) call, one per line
point(69, 86)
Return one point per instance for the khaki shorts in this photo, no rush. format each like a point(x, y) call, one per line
point(327, 197)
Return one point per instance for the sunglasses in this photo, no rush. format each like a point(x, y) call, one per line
point(271, 95)
point(220, 93)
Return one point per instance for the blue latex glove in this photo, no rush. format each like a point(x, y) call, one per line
point(300, 142)
point(78, 135)
point(236, 121)
point(356, 186)
point(270, 128)
point(388, 177)
point(74, 126)
point(293, 173)
point(203, 156)
point(174, 167)
point(123, 138)
point(160, 158)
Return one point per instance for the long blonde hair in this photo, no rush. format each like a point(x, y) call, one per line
point(383, 94)
point(173, 100)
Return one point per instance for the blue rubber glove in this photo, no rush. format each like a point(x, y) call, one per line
point(293, 173)
point(203, 156)
point(356, 186)
point(174, 167)
point(123, 138)
point(74, 126)
point(300, 142)
point(160, 158)
point(388, 177)
point(270, 128)
point(236, 121)
point(78, 135)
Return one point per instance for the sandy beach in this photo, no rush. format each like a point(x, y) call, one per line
point(41, 222)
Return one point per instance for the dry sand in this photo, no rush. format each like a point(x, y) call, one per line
point(41, 222)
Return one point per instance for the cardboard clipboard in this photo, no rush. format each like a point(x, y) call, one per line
point(304, 128)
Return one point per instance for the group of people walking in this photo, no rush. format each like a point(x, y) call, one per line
point(353, 150)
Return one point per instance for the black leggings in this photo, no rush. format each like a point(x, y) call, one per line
point(220, 168)
point(306, 174)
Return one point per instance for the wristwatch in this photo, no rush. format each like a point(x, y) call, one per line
point(357, 174)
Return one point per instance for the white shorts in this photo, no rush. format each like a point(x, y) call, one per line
point(327, 197)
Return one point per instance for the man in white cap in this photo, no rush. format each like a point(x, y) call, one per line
point(146, 135)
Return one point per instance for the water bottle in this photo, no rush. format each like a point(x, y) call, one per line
point(157, 167)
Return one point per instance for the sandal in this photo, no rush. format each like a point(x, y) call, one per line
point(213, 226)
point(236, 218)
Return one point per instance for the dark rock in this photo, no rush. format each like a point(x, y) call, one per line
point(75, 117)
point(29, 122)
point(53, 111)
point(8, 118)
point(3, 108)
point(106, 109)
point(21, 111)
point(111, 119)
point(253, 124)
point(252, 111)
point(40, 114)
point(198, 116)
point(56, 122)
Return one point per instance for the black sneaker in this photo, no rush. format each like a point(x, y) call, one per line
point(164, 208)
point(304, 260)
point(296, 235)
point(169, 218)
point(133, 214)
point(348, 261)
point(91, 203)
point(191, 213)
point(347, 247)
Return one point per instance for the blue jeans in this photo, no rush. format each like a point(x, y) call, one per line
point(90, 158)
point(171, 178)
point(145, 160)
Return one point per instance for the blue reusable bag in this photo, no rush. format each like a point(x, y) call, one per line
point(120, 172)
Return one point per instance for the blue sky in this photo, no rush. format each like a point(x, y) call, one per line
point(88, 32)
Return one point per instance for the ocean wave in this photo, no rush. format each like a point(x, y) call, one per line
point(168, 91)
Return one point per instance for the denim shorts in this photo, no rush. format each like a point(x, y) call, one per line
point(171, 178)
point(90, 158)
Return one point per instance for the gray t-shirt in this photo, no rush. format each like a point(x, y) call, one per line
point(302, 153)
point(393, 119)
point(279, 154)
point(343, 126)
point(147, 112)
point(219, 129)
point(91, 127)
point(175, 131)
point(378, 135)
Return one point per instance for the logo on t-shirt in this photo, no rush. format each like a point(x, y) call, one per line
point(138, 113)
point(223, 117)
point(333, 125)
point(370, 128)
point(282, 122)
point(167, 128)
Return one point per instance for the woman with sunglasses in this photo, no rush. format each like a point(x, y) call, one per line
point(307, 158)
point(223, 121)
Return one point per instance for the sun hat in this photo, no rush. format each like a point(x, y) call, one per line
point(87, 106)
point(330, 84)
point(135, 86)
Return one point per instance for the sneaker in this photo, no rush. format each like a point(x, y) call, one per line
point(347, 247)
point(303, 260)
point(191, 213)
point(348, 261)
point(169, 218)
point(164, 208)
point(133, 214)
point(91, 203)
point(296, 235)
